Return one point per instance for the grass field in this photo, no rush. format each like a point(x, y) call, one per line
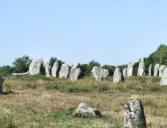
point(40, 102)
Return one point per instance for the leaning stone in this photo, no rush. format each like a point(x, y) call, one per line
point(163, 81)
point(99, 73)
point(156, 69)
point(64, 71)
point(48, 68)
point(1, 85)
point(150, 70)
point(124, 72)
point(84, 111)
point(21, 74)
point(141, 68)
point(130, 69)
point(118, 77)
point(75, 72)
point(36, 67)
point(55, 69)
point(134, 114)
point(161, 70)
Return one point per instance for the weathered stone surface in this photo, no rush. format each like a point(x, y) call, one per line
point(21, 74)
point(130, 69)
point(163, 81)
point(118, 77)
point(134, 114)
point(150, 70)
point(125, 72)
point(83, 111)
point(141, 68)
point(55, 69)
point(64, 71)
point(36, 67)
point(161, 70)
point(99, 74)
point(75, 72)
point(48, 68)
point(156, 69)
point(1, 85)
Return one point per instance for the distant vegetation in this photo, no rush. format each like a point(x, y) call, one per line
point(21, 64)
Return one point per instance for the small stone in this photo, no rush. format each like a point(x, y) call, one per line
point(130, 69)
point(84, 111)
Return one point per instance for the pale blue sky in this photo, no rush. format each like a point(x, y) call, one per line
point(110, 31)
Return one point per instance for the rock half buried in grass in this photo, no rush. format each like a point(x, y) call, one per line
point(134, 114)
point(1, 85)
point(84, 111)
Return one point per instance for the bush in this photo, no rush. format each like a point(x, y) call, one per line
point(5, 70)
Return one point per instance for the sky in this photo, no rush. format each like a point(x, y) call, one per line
point(112, 32)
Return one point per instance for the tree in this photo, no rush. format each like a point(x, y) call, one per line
point(21, 64)
point(6, 70)
point(90, 67)
point(110, 69)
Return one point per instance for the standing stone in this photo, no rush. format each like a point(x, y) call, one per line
point(124, 72)
point(36, 67)
point(118, 77)
point(75, 72)
point(99, 74)
point(134, 114)
point(1, 85)
point(130, 69)
point(150, 70)
point(163, 81)
point(141, 68)
point(156, 69)
point(64, 71)
point(48, 68)
point(161, 70)
point(55, 69)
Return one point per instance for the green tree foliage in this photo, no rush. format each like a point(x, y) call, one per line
point(5, 70)
point(21, 64)
point(90, 67)
point(83, 68)
point(54, 59)
point(110, 68)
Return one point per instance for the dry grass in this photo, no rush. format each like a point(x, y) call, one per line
point(48, 103)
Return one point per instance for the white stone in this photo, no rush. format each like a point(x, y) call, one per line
point(163, 81)
point(156, 70)
point(161, 70)
point(55, 69)
point(75, 72)
point(21, 74)
point(36, 67)
point(130, 69)
point(118, 77)
point(124, 72)
point(99, 73)
point(83, 111)
point(64, 71)
point(141, 68)
point(48, 68)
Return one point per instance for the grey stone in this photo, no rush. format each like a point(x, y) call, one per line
point(161, 69)
point(130, 69)
point(156, 70)
point(163, 81)
point(48, 68)
point(21, 74)
point(83, 111)
point(150, 70)
point(124, 72)
point(141, 68)
point(99, 73)
point(36, 67)
point(134, 114)
point(118, 77)
point(1, 85)
point(55, 69)
point(64, 71)
point(75, 72)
